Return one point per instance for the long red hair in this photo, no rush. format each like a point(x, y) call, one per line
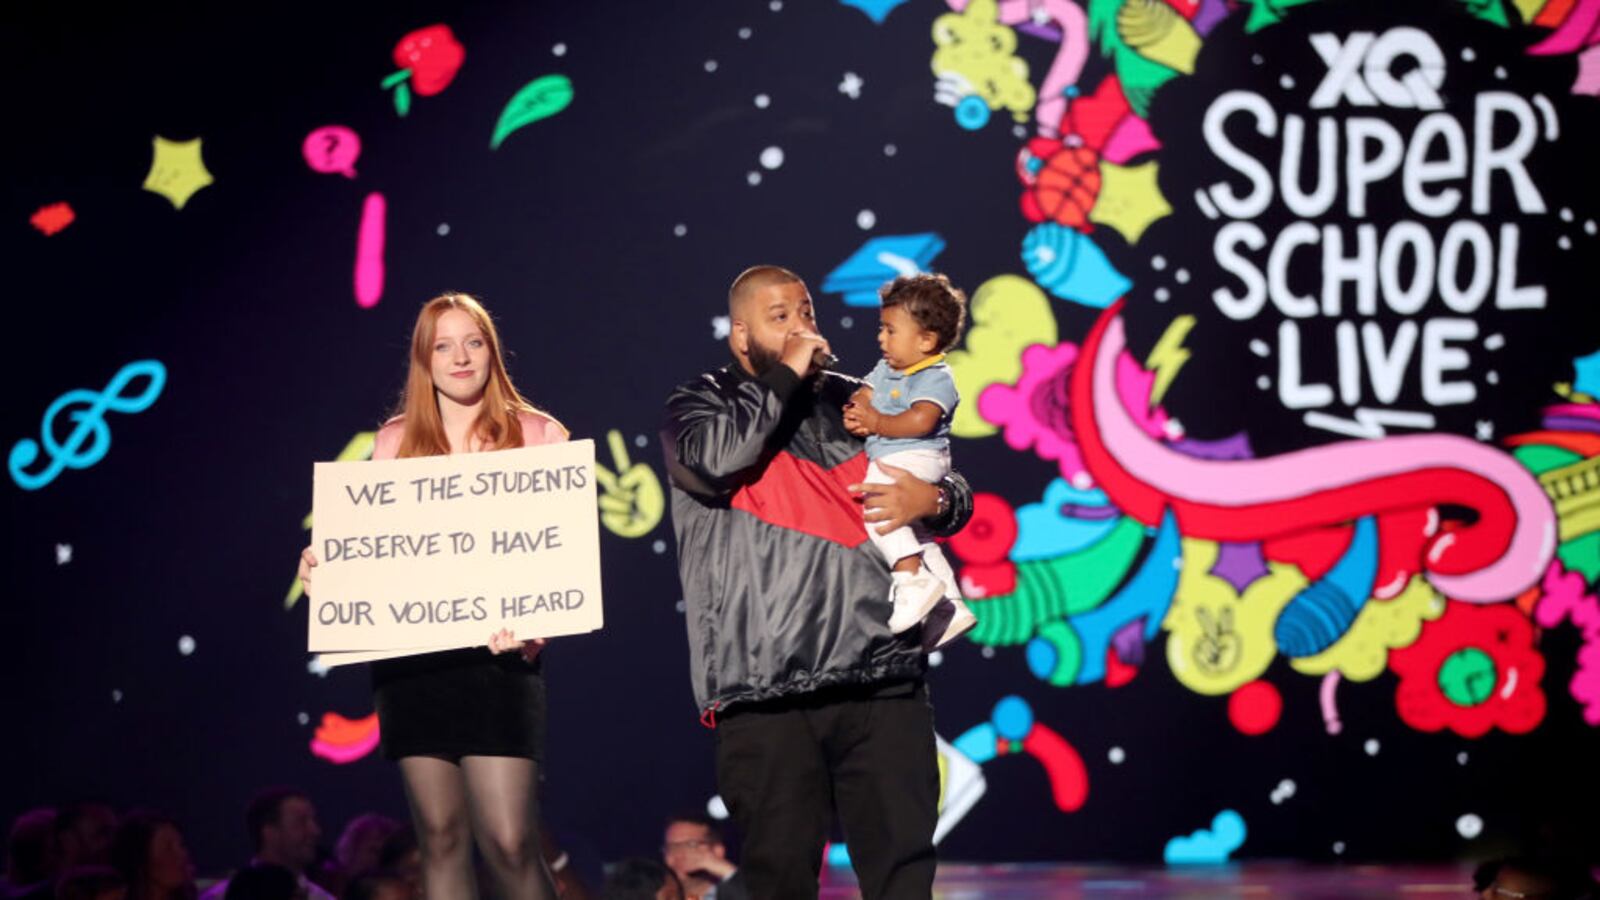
point(497, 427)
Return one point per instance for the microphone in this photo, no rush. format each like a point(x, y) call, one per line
point(824, 359)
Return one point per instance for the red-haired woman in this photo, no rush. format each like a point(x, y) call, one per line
point(466, 726)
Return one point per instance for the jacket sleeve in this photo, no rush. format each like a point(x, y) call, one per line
point(956, 517)
point(714, 434)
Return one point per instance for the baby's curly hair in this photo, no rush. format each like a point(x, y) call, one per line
point(933, 302)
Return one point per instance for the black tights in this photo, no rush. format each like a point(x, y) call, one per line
point(491, 797)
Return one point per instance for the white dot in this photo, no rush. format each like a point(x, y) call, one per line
point(1264, 383)
point(1492, 377)
point(317, 667)
point(866, 219)
point(1371, 746)
point(1260, 348)
point(1286, 82)
point(1257, 58)
point(559, 50)
point(1589, 226)
point(640, 440)
point(711, 65)
point(1021, 131)
point(1469, 826)
point(772, 157)
point(1159, 263)
point(1565, 214)
point(762, 101)
point(744, 34)
point(1117, 756)
point(717, 809)
point(1338, 848)
point(116, 695)
point(679, 606)
point(890, 149)
point(846, 322)
point(936, 658)
point(1500, 72)
point(775, 5)
point(1468, 54)
point(1182, 276)
point(752, 178)
point(1461, 758)
point(1564, 242)
point(443, 229)
point(680, 229)
point(659, 546)
point(987, 652)
point(304, 719)
point(186, 645)
point(1163, 295)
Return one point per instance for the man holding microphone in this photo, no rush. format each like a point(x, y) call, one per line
point(816, 704)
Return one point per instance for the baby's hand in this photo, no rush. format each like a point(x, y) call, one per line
point(860, 419)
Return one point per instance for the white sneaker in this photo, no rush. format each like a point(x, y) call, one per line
point(913, 595)
point(949, 620)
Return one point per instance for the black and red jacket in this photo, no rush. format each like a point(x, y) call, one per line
point(783, 593)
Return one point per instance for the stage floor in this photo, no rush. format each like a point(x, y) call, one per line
point(1298, 882)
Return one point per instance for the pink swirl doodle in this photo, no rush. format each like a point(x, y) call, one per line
point(1498, 556)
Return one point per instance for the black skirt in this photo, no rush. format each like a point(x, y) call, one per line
point(458, 703)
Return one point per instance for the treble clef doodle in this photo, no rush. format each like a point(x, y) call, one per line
point(90, 437)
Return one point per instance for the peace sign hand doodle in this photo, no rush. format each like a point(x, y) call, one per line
point(631, 499)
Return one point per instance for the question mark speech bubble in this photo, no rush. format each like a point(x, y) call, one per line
point(332, 148)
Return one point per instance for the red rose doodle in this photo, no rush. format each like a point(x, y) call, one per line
point(1473, 669)
point(428, 59)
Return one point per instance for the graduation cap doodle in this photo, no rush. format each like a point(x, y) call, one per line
point(879, 260)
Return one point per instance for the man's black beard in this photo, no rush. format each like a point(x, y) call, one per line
point(761, 359)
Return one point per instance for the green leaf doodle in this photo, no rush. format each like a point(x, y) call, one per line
point(539, 99)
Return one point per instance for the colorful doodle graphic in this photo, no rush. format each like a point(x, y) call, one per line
point(52, 219)
point(878, 260)
point(1436, 557)
point(342, 741)
point(631, 499)
point(1208, 845)
point(177, 171)
point(332, 148)
point(540, 98)
point(429, 59)
point(370, 237)
point(90, 437)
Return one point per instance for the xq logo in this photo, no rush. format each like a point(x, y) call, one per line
point(1361, 69)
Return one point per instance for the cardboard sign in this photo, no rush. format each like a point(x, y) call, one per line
point(424, 554)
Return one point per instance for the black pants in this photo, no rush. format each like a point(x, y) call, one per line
point(785, 767)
